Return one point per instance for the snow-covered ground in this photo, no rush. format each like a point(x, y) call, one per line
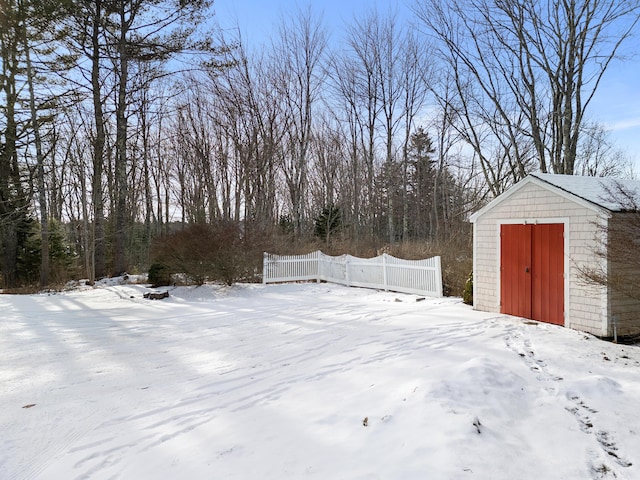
point(305, 381)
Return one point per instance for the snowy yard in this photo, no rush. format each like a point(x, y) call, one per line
point(275, 382)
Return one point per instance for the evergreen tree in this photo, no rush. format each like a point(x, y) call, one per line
point(14, 197)
point(421, 182)
point(328, 223)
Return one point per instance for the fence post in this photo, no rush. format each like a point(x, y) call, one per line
point(347, 280)
point(438, 276)
point(264, 268)
point(384, 271)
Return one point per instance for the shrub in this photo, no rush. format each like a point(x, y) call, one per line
point(225, 251)
point(456, 260)
point(467, 294)
point(159, 275)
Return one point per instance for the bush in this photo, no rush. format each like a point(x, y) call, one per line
point(224, 251)
point(467, 294)
point(456, 258)
point(159, 275)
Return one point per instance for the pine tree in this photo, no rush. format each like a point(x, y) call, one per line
point(328, 223)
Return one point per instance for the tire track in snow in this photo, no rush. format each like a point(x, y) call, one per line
point(52, 422)
point(296, 348)
point(263, 378)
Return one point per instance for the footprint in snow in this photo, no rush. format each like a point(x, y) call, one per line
point(584, 415)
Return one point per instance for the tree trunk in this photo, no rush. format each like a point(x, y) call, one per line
point(99, 265)
point(12, 204)
point(42, 193)
point(120, 261)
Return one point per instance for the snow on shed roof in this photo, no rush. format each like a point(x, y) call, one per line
point(605, 192)
point(593, 192)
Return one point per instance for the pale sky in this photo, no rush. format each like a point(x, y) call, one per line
point(616, 105)
point(259, 18)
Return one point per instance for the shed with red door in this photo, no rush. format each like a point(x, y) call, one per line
point(533, 243)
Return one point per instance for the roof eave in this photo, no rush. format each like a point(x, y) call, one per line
point(541, 183)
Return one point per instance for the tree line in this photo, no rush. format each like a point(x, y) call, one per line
point(122, 121)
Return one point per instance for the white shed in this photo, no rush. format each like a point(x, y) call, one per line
point(529, 244)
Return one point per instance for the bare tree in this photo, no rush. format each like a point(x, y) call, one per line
point(533, 69)
point(416, 77)
point(345, 107)
point(300, 77)
point(130, 35)
point(252, 120)
point(360, 89)
point(328, 172)
point(617, 245)
point(597, 156)
point(76, 146)
point(87, 19)
point(387, 41)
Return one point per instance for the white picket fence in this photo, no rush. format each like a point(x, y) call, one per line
point(385, 272)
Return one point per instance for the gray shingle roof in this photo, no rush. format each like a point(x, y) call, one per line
point(606, 192)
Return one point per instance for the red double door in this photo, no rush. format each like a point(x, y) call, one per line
point(532, 271)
